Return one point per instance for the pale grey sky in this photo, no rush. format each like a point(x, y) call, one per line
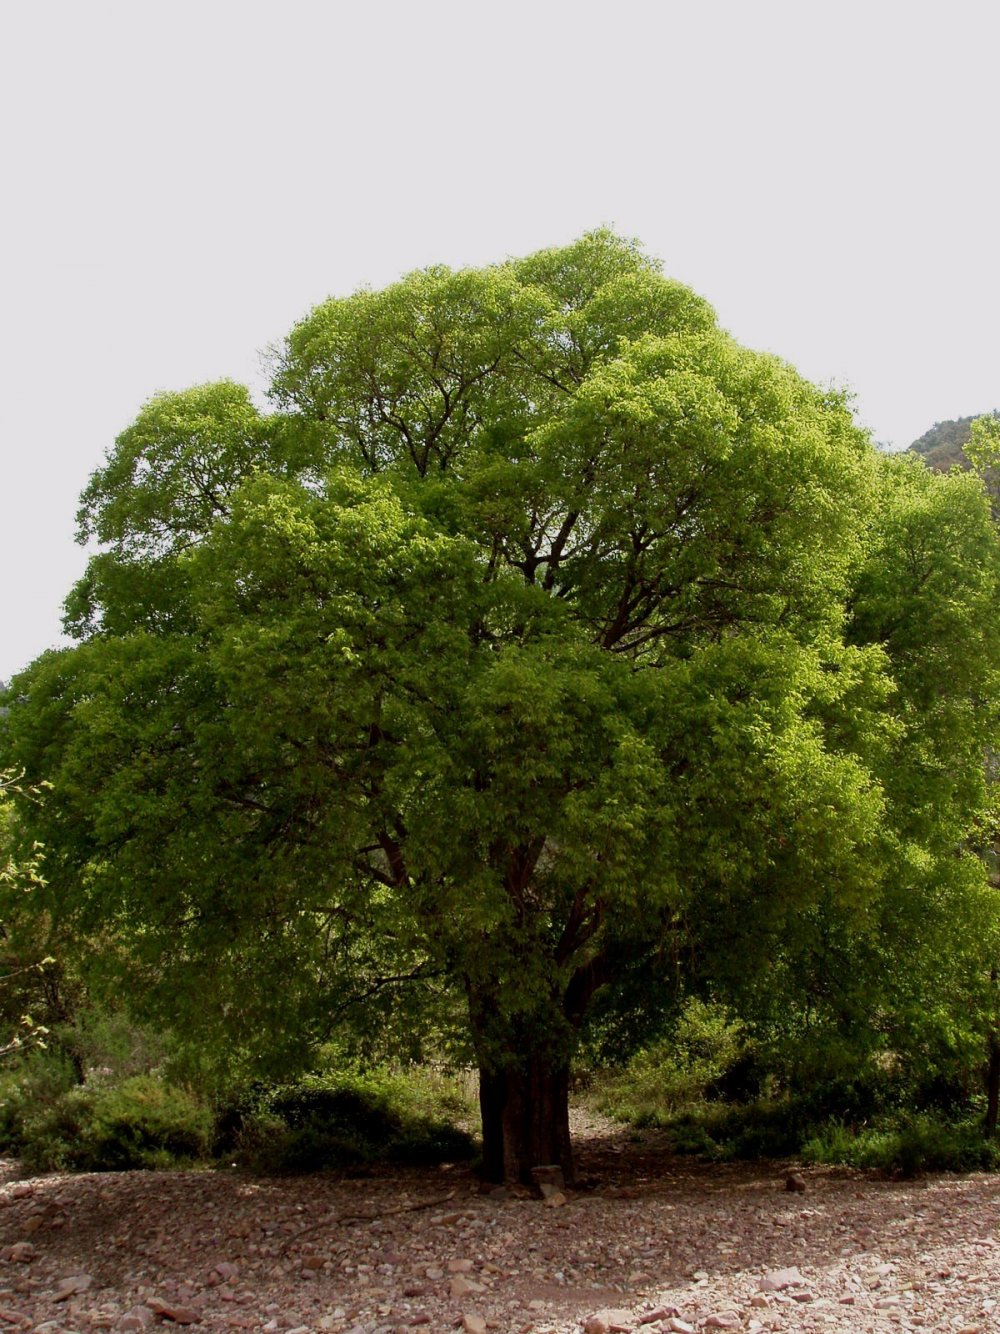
point(182, 181)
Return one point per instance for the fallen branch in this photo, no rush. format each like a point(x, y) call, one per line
point(368, 1217)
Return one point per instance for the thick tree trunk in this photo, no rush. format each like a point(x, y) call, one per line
point(525, 1112)
point(992, 1087)
point(992, 1076)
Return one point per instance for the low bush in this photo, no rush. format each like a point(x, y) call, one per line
point(677, 1072)
point(140, 1123)
point(907, 1147)
point(343, 1121)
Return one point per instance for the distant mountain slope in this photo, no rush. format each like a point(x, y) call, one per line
point(941, 446)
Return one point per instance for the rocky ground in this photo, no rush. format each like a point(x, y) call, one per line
point(660, 1244)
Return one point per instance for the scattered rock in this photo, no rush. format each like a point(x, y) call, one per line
point(548, 1175)
point(69, 1287)
point(472, 1323)
point(595, 1325)
point(795, 1181)
point(136, 1320)
point(779, 1279)
point(22, 1252)
point(555, 1200)
point(461, 1286)
point(16, 1318)
point(724, 1320)
point(678, 1326)
point(660, 1313)
point(461, 1266)
point(179, 1315)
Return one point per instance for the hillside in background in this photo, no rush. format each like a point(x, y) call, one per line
point(941, 446)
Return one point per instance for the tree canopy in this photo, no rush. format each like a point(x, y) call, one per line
point(538, 639)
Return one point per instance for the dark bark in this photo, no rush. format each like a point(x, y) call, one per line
point(992, 1087)
point(992, 1076)
point(525, 1113)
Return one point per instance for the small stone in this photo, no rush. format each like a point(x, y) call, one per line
point(434, 1273)
point(848, 1299)
point(801, 1295)
point(886, 1303)
point(18, 1318)
point(699, 1275)
point(724, 1320)
point(313, 1262)
point(460, 1266)
point(472, 1323)
point(22, 1252)
point(180, 1315)
point(416, 1290)
point(136, 1320)
point(550, 1174)
point(795, 1181)
point(660, 1313)
point(779, 1279)
point(226, 1271)
point(556, 1200)
point(69, 1287)
point(760, 1301)
point(461, 1286)
point(677, 1326)
point(594, 1325)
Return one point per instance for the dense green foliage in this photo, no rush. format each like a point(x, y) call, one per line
point(542, 658)
point(106, 1095)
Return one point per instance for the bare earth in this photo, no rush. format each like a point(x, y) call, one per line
point(660, 1243)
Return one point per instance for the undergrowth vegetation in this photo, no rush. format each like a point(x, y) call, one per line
point(106, 1096)
point(716, 1092)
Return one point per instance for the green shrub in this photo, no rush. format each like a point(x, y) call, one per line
point(344, 1120)
point(913, 1144)
point(140, 1123)
point(30, 1088)
point(677, 1072)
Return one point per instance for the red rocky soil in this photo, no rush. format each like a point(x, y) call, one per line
point(658, 1244)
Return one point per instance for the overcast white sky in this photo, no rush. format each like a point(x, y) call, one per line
point(183, 181)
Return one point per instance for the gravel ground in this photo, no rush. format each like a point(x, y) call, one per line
point(660, 1243)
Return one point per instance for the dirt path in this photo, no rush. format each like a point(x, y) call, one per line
point(660, 1242)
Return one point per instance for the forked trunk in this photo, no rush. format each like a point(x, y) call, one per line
point(525, 1111)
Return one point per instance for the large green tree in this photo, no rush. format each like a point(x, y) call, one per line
point(505, 657)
